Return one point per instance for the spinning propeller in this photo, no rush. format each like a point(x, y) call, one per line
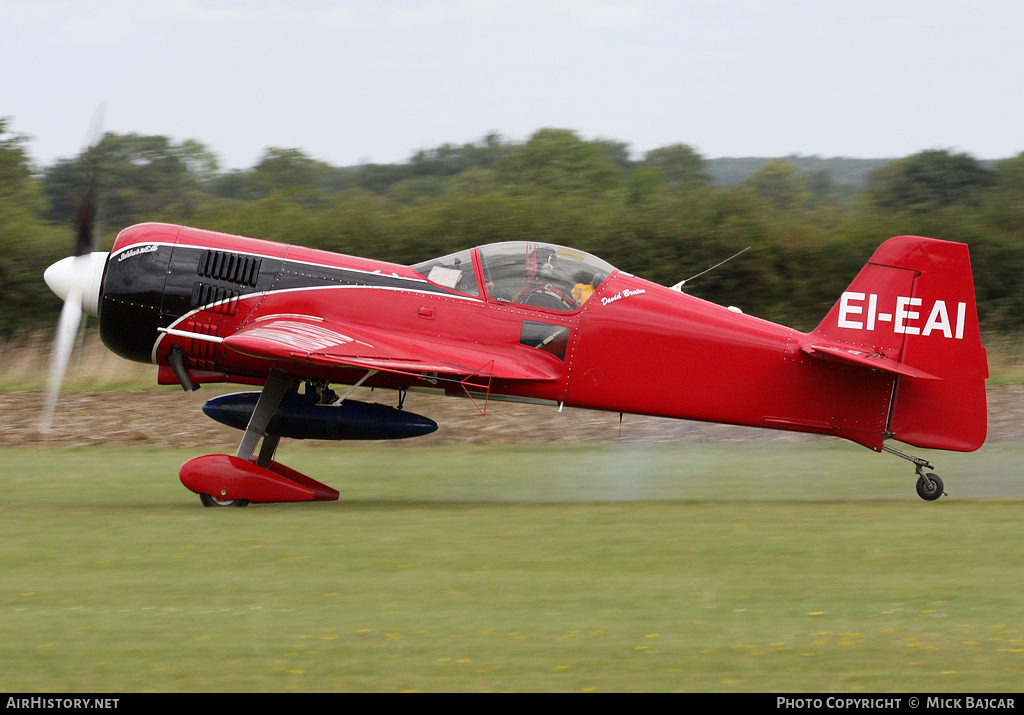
point(76, 279)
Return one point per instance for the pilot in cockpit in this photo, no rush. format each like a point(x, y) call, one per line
point(582, 291)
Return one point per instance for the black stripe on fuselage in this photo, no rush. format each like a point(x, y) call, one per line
point(187, 271)
point(147, 290)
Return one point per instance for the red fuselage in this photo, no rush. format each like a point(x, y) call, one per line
point(630, 346)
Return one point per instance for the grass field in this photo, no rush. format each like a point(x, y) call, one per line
point(751, 567)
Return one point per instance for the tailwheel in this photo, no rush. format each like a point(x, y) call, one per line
point(209, 500)
point(929, 486)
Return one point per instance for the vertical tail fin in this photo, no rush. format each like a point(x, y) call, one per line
point(911, 311)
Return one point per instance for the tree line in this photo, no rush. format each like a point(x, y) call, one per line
point(662, 217)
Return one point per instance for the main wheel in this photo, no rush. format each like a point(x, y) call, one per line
point(208, 500)
point(929, 487)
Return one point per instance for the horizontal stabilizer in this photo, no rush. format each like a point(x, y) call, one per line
point(863, 358)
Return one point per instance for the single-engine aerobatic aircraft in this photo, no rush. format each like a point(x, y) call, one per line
point(899, 356)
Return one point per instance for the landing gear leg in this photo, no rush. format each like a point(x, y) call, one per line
point(270, 398)
point(222, 480)
point(929, 484)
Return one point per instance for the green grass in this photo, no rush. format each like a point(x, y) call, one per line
point(797, 568)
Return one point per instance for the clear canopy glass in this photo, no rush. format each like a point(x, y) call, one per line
point(453, 271)
point(541, 275)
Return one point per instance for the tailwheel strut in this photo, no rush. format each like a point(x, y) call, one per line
point(929, 484)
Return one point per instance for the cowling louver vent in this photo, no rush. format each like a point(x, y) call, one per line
point(220, 300)
point(229, 267)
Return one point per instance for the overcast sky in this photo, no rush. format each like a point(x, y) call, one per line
point(350, 82)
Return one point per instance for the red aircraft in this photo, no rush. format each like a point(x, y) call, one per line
point(898, 357)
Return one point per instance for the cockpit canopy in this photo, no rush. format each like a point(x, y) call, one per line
point(541, 275)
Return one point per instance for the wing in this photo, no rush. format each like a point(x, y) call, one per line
point(306, 341)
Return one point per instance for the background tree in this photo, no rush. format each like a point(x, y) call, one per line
point(781, 184)
point(1004, 201)
point(559, 161)
point(449, 160)
point(27, 243)
point(928, 181)
point(679, 164)
point(139, 178)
